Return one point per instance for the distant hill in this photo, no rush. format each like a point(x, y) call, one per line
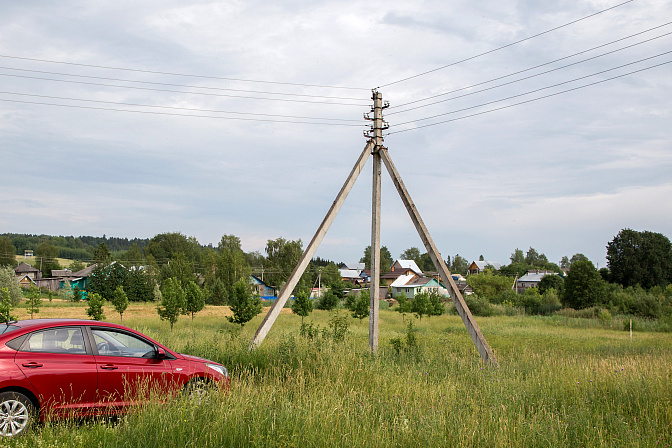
point(75, 248)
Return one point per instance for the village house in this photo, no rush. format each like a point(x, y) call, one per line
point(477, 266)
point(531, 279)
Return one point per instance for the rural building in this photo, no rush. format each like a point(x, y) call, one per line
point(353, 273)
point(412, 284)
point(262, 289)
point(399, 268)
point(531, 279)
point(477, 266)
point(26, 269)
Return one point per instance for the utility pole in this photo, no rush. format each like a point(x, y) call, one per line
point(374, 147)
point(376, 136)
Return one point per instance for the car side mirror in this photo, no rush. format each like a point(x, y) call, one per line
point(160, 353)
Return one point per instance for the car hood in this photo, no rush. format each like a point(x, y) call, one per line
point(197, 359)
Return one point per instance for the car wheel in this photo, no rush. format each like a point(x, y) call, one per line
point(16, 414)
point(197, 389)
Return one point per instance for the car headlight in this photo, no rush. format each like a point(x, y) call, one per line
point(218, 368)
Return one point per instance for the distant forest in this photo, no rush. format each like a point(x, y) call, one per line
point(71, 247)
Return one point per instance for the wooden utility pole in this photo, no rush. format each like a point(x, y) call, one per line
point(381, 156)
point(374, 290)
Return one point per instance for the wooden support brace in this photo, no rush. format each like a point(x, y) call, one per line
point(462, 308)
point(286, 291)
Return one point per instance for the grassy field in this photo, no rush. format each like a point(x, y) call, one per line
point(556, 385)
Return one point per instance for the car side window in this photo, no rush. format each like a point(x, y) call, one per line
point(56, 340)
point(117, 343)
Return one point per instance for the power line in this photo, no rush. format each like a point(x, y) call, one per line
point(175, 114)
point(178, 91)
point(528, 101)
point(177, 108)
point(182, 74)
point(540, 65)
point(504, 46)
point(184, 85)
point(527, 77)
point(535, 90)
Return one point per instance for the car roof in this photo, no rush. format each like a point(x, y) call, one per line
point(30, 323)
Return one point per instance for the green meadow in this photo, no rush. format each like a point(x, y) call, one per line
point(560, 382)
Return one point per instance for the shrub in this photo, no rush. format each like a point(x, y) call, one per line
point(339, 326)
point(328, 301)
point(477, 306)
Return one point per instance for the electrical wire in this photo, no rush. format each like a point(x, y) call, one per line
point(183, 74)
point(177, 108)
point(535, 90)
point(178, 91)
point(185, 85)
point(503, 47)
point(541, 65)
point(527, 77)
point(527, 101)
point(74, 106)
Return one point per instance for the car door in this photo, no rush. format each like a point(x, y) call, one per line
point(60, 366)
point(129, 370)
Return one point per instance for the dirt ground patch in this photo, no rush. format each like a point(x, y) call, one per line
point(62, 309)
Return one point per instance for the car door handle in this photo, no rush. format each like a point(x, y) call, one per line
point(32, 364)
point(109, 367)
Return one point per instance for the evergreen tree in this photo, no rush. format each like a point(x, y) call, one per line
point(216, 292)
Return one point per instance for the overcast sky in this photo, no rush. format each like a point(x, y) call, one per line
point(561, 174)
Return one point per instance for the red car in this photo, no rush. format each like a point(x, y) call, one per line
point(56, 368)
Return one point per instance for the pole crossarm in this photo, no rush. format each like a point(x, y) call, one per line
point(462, 308)
point(300, 268)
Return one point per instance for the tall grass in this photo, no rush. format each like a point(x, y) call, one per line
point(555, 386)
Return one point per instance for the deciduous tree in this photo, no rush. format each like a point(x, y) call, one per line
point(5, 305)
point(120, 301)
point(8, 280)
point(640, 258)
point(584, 286)
point(243, 304)
point(95, 309)
point(172, 301)
point(34, 301)
point(302, 305)
point(194, 299)
point(360, 306)
point(7, 252)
